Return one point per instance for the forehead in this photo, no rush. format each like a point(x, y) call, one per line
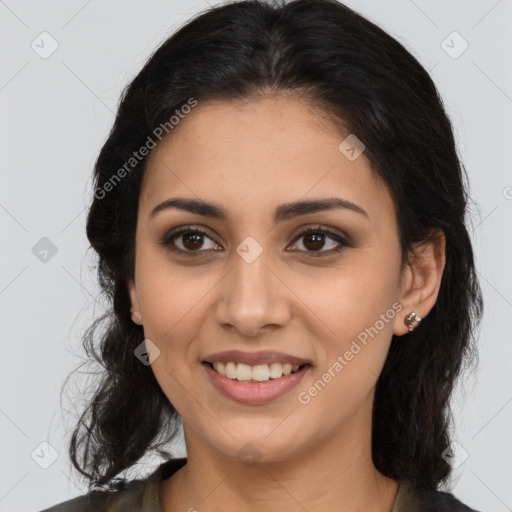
point(258, 153)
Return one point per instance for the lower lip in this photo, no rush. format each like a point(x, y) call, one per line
point(255, 392)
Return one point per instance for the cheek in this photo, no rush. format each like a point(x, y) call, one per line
point(169, 309)
point(172, 310)
point(360, 317)
point(172, 300)
point(358, 307)
point(355, 298)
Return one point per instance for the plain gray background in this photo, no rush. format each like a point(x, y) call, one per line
point(55, 115)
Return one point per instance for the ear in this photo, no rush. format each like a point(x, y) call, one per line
point(421, 279)
point(134, 302)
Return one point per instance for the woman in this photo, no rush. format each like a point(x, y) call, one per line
point(279, 215)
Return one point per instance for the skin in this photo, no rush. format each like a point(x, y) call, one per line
point(250, 157)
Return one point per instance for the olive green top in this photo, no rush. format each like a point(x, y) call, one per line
point(143, 496)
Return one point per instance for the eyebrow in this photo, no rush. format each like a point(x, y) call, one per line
point(282, 213)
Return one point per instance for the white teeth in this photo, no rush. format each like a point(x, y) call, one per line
point(260, 372)
point(230, 370)
point(276, 370)
point(221, 368)
point(243, 372)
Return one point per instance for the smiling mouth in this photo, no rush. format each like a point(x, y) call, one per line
point(257, 373)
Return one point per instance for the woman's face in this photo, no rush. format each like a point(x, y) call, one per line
point(251, 283)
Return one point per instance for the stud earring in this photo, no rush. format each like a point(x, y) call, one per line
point(412, 321)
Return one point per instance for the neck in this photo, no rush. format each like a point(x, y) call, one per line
point(312, 480)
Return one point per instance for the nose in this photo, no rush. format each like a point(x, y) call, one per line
point(253, 297)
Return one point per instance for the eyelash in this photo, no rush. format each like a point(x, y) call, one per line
point(168, 239)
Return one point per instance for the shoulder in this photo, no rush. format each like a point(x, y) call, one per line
point(123, 496)
point(141, 495)
point(444, 501)
point(414, 498)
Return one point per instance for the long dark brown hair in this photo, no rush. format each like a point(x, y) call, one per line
point(337, 60)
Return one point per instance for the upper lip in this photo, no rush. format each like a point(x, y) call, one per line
point(255, 358)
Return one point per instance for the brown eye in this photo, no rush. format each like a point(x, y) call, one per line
point(192, 240)
point(188, 240)
point(316, 239)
